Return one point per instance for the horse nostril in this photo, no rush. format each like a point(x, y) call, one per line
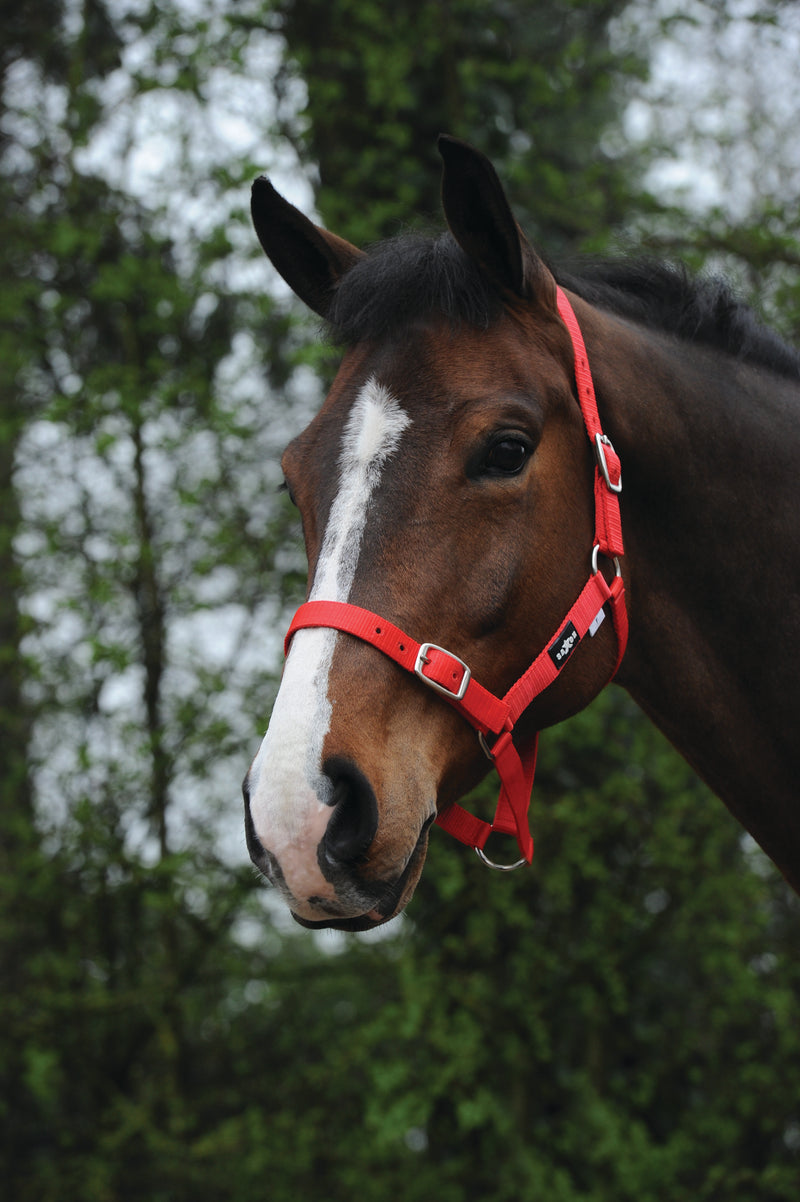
point(354, 821)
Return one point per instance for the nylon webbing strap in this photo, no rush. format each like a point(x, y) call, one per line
point(443, 671)
point(608, 525)
point(434, 665)
point(516, 771)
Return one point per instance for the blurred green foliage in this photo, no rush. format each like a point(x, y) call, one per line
point(619, 1022)
point(537, 87)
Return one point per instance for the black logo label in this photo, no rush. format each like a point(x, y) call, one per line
point(560, 650)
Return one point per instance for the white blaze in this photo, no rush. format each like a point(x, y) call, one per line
point(288, 792)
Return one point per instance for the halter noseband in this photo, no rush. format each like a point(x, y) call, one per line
point(449, 676)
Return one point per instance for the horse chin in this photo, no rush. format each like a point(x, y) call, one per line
point(353, 925)
point(391, 904)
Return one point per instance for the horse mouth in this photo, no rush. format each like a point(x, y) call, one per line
point(364, 923)
point(393, 901)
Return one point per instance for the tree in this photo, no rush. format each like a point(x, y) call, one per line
point(724, 164)
point(137, 543)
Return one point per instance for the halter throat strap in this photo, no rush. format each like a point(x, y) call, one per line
point(491, 716)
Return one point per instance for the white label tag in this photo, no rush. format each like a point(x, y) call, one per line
point(597, 623)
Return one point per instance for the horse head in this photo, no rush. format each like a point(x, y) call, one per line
point(446, 484)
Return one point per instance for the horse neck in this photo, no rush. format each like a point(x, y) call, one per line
point(710, 449)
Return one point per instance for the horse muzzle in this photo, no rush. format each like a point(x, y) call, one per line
point(335, 873)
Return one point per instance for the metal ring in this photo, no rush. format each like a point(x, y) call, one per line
point(595, 567)
point(499, 867)
point(485, 748)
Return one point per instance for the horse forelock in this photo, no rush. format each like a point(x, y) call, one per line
point(410, 279)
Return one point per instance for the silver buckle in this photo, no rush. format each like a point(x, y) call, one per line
point(600, 443)
point(422, 658)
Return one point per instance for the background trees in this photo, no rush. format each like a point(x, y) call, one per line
point(619, 1022)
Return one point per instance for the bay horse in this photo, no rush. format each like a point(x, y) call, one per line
point(461, 493)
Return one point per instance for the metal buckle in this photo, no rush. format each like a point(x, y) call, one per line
point(423, 658)
point(601, 441)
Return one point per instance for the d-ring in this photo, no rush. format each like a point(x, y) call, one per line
point(595, 567)
point(499, 867)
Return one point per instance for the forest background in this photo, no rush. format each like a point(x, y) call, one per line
point(619, 1022)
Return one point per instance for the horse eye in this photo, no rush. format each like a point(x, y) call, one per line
point(507, 457)
point(285, 488)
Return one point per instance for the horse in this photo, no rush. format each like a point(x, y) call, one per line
point(467, 533)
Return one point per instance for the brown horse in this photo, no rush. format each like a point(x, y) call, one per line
point(446, 490)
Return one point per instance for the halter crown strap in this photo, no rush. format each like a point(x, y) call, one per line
point(608, 470)
point(449, 676)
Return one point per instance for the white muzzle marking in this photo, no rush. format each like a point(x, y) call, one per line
point(290, 798)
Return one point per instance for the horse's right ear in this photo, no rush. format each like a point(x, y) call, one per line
point(310, 259)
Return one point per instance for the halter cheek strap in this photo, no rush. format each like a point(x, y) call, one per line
point(450, 676)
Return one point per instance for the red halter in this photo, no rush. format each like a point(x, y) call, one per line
point(448, 675)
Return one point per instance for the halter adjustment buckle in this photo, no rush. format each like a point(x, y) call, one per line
point(423, 657)
point(601, 441)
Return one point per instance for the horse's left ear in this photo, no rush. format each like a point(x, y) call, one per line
point(481, 221)
point(309, 258)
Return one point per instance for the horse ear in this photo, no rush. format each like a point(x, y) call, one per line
point(481, 221)
point(310, 259)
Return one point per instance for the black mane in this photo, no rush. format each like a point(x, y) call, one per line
point(412, 278)
point(704, 309)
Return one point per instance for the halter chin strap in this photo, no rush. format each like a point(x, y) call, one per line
point(451, 678)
